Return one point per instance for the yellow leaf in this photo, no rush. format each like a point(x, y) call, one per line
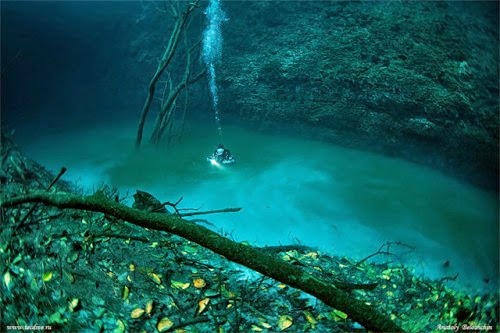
point(292, 253)
point(199, 283)
point(313, 255)
point(131, 267)
point(281, 285)
point(155, 278)
point(164, 324)
point(309, 317)
point(339, 315)
point(284, 322)
point(266, 325)
point(125, 293)
point(73, 303)
point(137, 313)
point(120, 327)
point(179, 285)
point(7, 280)
point(202, 305)
point(47, 276)
point(149, 306)
point(256, 328)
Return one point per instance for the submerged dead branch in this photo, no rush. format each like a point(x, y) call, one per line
point(165, 61)
point(215, 211)
point(245, 255)
point(384, 249)
point(32, 209)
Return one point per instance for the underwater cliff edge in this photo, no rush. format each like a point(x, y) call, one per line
point(417, 80)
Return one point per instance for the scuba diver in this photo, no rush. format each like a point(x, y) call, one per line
point(221, 155)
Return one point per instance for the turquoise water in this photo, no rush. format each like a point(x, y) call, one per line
point(342, 201)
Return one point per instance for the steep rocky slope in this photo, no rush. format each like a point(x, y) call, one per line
point(417, 80)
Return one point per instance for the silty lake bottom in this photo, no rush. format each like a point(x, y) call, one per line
point(340, 201)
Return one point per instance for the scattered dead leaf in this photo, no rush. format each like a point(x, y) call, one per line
point(137, 313)
point(155, 277)
point(203, 304)
point(164, 324)
point(285, 322)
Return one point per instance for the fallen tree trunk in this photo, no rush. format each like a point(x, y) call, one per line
point(245, 255)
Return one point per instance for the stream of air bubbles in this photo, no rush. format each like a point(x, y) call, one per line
point(212, 50)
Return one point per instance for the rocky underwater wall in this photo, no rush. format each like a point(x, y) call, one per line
point(417, 80)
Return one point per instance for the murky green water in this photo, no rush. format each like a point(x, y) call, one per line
point(342, 201)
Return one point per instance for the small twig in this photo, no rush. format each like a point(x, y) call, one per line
point(178, 304)
point(18, 169)
point(256, 290)
point(387, 246)
point(372, 255)
point(202, 221)
point(448, 278)
point(59, 175)
point(173, 205)
point(45, 218)
point(194, 262)
point(111, 235)
point(190, 209)
point(237, 310)
point(225, 210)
point(259, 313)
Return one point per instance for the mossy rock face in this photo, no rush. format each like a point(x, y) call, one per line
point(416, 73)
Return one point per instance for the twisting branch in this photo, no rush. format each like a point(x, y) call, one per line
point(245, 255)
point(164, 62)
point(384, 249)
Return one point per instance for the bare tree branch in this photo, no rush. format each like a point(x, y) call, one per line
point(164, 62)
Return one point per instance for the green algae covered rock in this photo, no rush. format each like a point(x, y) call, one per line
point(411, 79)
